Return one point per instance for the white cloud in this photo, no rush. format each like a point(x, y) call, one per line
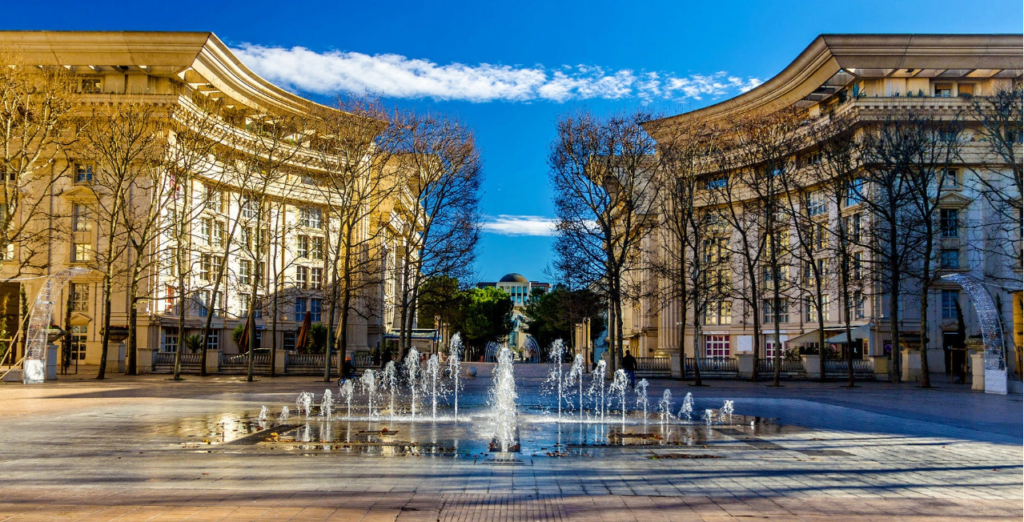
point(397, 76)
point(507, 225)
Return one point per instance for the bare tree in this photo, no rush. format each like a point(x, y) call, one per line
point(888, 154)
point(38, 126)
point(353, 152)
point(440, 174)
point(124, 142)
point(605, 174)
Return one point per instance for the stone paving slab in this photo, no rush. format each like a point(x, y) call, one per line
point(85, 450)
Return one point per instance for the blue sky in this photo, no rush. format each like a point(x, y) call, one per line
point(510, 68)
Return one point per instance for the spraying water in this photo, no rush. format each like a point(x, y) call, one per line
point(368, 383)
point(726, 413)
point(346, 391)
point(503, 402)
point(687, 410)
point(262, 417)
point(412, 368)
point(641, 397)
point(326, 405)
point(454, 368)
point(557, 348)
point(597, 386)
point(709, 416)
point(619, 384)
point(575, 377)
point(433, 372)
point(304, 403)
point(390, 381)
point(665, 406)
point(284, 415)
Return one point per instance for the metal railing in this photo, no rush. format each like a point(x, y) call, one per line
point(839, 366)
point(239, 363)
point(654, 365)
point(163, 362)
point(713, 366)
point(788, 365)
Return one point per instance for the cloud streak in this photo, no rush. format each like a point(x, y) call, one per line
point(507, 225)
point(397, 76)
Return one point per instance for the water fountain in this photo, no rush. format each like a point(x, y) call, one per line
point(326, 405)
point(347, 389)
point(284, 415)
point(665, 406)
point(555, 377)
point(597, 385)
point(412, 368)
point(454, 367)
point(368, 383)
point(687, 410)
point(641, 398)
point(304, 404)
point(726, 412)
point(390, 381)
point(575, 377)
point(709, 416)
point(619, 384)
point(262, 417)
point(433, 373)
point(503, 403)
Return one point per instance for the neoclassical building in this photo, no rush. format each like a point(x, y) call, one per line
point(175, 74)
point(865, 78)
point(519, 289)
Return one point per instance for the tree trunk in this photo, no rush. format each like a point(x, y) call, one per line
point(926, 381)
point(106, 323)
point(682, 316)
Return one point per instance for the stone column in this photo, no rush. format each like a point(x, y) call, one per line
point(280, 362)
point(812, 366)
point(745, 365)
point(977, 371)
point(911, 365)
point(212, 361)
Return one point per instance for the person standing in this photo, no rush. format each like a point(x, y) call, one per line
point(629, 364)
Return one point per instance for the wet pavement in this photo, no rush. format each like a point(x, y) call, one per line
point(147, 448)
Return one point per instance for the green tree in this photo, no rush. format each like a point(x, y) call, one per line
point(553, 315)
point(488, 317)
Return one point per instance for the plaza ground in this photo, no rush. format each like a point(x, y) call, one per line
point(144, 448)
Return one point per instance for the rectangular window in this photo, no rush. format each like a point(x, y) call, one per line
point(92, 85)
point(316, 248)
point(213, 199)
point(83, 173)
point(170, 339)
point(950, 258)
point(250, 209)
point(310, 217)
point(950, 179)
point(81, 218)
point(170, 299)
point(858, 305)
point(820, 236)
point(853, 192)
point(816, 205)
point(716, 346)
point(302, 277)
point(858, 265)
point(965, 89)
point(245, 272)
point(79, 336)
point(711, 314)
point(213, 341)
point(205, 265)
point(769, 349)
point(243, 305)
point(82, 253)
point(949, 303)
point(219, 233)
point(79, 297)
point(825, 308)
point(316, 277)
point(949, 222)
point(203, 305)
point(769, 315)
point(205, 229)
point(853, 228)
point(715, 183)
point(725, 312)
point(943, 90)
point(315, 306)
point(289, 340)
point(300, 308)
point(303, 246)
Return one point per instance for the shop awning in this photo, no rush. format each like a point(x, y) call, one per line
point(812, 337)
point(857, 332)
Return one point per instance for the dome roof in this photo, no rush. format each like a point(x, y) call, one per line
point(513, 278)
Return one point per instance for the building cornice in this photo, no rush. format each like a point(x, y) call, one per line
point(865, 56)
